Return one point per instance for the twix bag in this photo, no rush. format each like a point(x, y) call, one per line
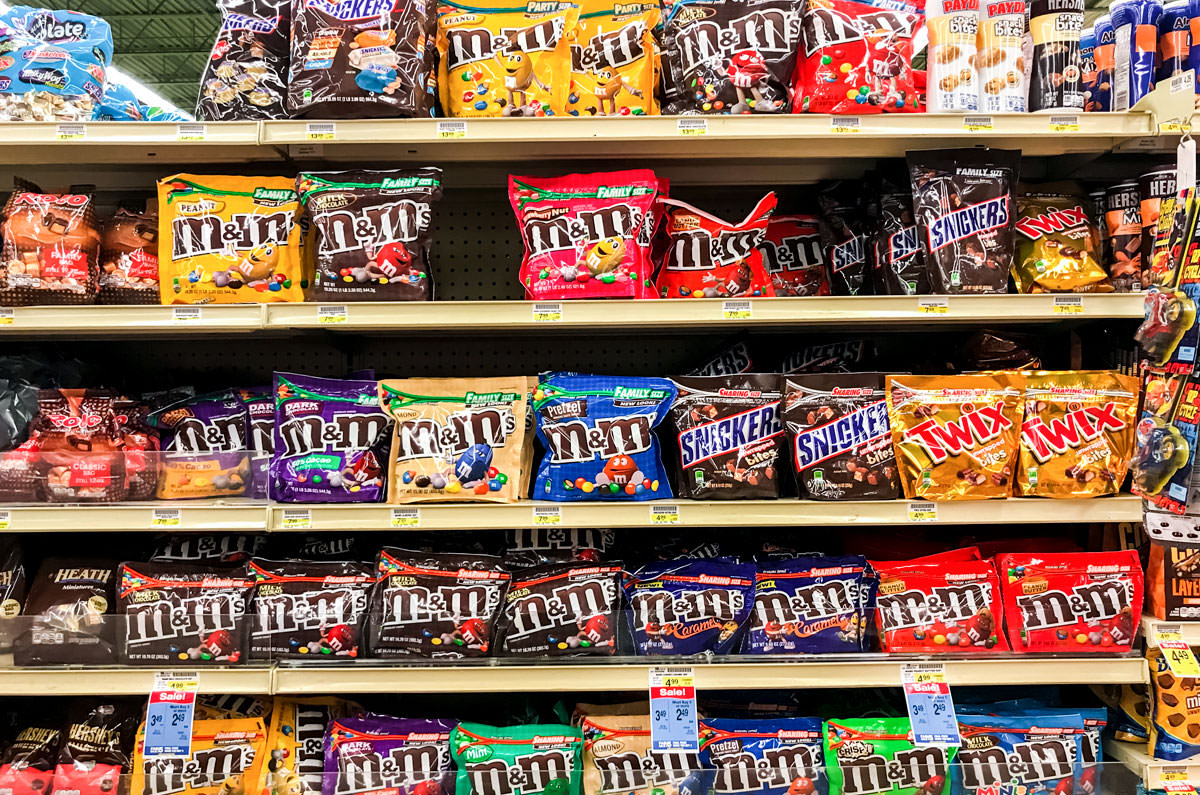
point(955, 436)
point(1077, 433)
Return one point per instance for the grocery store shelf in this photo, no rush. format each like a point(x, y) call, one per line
point(35, 143)
point(722, 674)
point(1152, 771)
point(51, 321)
point(1190, 630)
point(702, 313)
point(125, 681)
point(155, 517)
point(734, 513)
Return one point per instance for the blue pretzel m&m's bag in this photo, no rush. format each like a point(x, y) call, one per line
point(689, 606)
point(774, 757)
point(598, 434)
point(808, 605)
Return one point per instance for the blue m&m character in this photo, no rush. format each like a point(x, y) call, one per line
point(473, 464)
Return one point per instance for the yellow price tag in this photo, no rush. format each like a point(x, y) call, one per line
point(332, 315)
point(933, 305)
point(664, 514)
point(922, 512)
point(296, 519)
point(679, 681)
point(1068, 304)
point(449, 130)
point(545, 517)
point(7, 316)
point(691, 126)
point(547, 312)
point(737, 310)
point(166, 517)
point(977, 123)
point(406, 517)
point(843, 125)
point(5, 520)
point(1064, 124)
point(320, 131)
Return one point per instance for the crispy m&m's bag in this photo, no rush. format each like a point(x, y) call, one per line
point(226, 758)
point(586, 235)
point(808, 605)
point(773, 757)
point(1073, 601)
point(598, 436)
point(614, 59)
point(689, 606)
point(955, 436)
point(505, 61)
point(938, 606)
point(711, 258)
point(487, 754)
point(870, 755)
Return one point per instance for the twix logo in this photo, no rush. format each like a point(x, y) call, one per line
point(1048, 439)
point(976, 426)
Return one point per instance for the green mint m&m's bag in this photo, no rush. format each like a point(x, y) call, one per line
point(877, 755)
point(517, 760)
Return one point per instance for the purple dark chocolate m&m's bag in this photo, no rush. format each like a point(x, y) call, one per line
point(377, 753)
point(689, 606)
point(808, 605)
point(331, 440)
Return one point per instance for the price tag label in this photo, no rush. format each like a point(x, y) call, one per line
point(406, 517)
point(185, 314)
point(320, 131)
point(1179, 657)
point(1177, 786)
point(1173, 774)
point(673, 725)
point(166, 517)
point(922, 512)
point(447, 129)
point(547, 312)
point(737, 310)
point(930, 707)
point(191, 132)
point(933, 305)
point(332, 315)
point(296, 519)
point(1181, 82)
point(1068, 304)
point(1185, 162)
point(977, 123)
point(691, 125)
point(7, 316)
point(169, 714)
point(70, 132)
point(5, 520)
point(845, 124)
point(664, 514)
point(1064, 124)
point(547, 517)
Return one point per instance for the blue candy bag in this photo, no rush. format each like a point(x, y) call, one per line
point(1019, 754)
point(689, 606)
point(777, 757)
point(808, 605)
point(53, 54)
point(1094, 721)
point(598, 434)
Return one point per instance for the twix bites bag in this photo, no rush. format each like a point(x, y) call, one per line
point(1077, 433)
point(955, 436)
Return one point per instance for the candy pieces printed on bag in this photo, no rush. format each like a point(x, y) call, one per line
point(614, 60)
point(614, 736)
point(869, 755)
point(1057, 247)
point(246, 75)
point(51, 249)
point(296, 761)
point(913, 614)
point(205, 447)
point(561, 610)
point(288, 593)
point(784, 756)
point(808, 605)
point(711, 258)
point(1059, 739)
point(418, 749)
point(1001, 59)
point(226, 758)
point(483, 753)
point(1175, 716)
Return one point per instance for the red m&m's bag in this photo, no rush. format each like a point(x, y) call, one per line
point(1073, 601)
point(793, 256)
point(710, 258)
point(944, 606)
point(586, 235)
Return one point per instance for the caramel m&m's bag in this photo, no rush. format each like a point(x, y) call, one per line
point(942, 606)
point(228, 240)
point(955, 436)
point(505, 61)
point(1077, 433)
point(614, 59)
point(711, 258)
point(226, 758)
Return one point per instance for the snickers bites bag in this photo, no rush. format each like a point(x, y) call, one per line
point(226, 758)
point(69, 614)
point(307, 609)
point(373, 233)
point(1057, 247)
point(516, 760)
point(729, 435)
point(246, 76)
point(441, 605)
point(181, 612)
point(808, 605)
point(964, 204)
point(955, 436)
point(561, 610)
point(1077, 434)
point(840, 437)
point(684, 607)
point(94, 753)
point(372, 753)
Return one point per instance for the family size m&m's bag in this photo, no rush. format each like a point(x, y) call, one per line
point(505, 61)
point(772, 757)
point(942, 606)
point(494, 760)
point(711, 258)
point(586, 235)
point(878, 755)
point(1072, 601)
point(598, 434)
point(614, 59)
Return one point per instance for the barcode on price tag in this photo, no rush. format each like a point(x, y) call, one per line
point(737, 310)
point(451, 129)
point(186, 314)
point(543, 517)
point(320, 131)
point(1068, 304)
point(673, 722)
point(1177, 654)
point(332, 315)
point(664, 514)
point(933, 305)
point(296, 518)
point(922, 512)
point(977, 123)
point(70, 132)
point(1064, 124)
point(7, 316)
point(191, 132)
point(845, 124)
point(930, 706)
point(406, 517)
point(1182, 82)
point(547, 312)
point(169, 715)
point(691, 125)
point(166, 517)
point(5, 520)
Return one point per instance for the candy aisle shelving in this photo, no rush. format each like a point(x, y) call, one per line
point(1152, 771)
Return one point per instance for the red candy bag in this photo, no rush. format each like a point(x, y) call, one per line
point(857, 59)
point(950, 605)
point(586, 235)
point(1075, 601)
point(793, 256)
point(710, 258)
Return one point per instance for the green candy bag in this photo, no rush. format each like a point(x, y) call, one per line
point(877, 755)
point(517, 760)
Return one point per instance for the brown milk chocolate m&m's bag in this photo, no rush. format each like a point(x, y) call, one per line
point(955, 436)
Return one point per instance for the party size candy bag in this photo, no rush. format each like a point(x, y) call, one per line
point(331, 440)
point(51, 251)
point(870, 755)
point(561, 610)
point(808, 605)
point(617, 755)
point(56, 64)
point(586, 235)
point(598, 437)
point(485, 755)
point(991, 743)
point(27, 762)
point(440, 605)
point(504, 61)
point(792, 254)
point(308, 609)
point(1175, 714)
point(246, 77)
point(684, 607)
point(775, 757)
point(614, 59)
point(95, 751)
point(844, 238)
point(205, 447)
point(711, 258)
point(226, 757)
point(358, 750)
point(942, 606)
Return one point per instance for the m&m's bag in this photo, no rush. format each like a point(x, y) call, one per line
point(711, 258)
point(878, 755)
point(614, 59)
point(942, 606)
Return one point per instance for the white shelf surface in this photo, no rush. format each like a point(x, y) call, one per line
point(1154, 772)
point(65, 321)
point(118, 681)
point(158, 517)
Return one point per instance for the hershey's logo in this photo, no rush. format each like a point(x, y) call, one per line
point(344, 433)
point(1047, 439)
point(725, 435)
point(574, 441)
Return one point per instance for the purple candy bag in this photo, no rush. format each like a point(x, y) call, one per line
point(331, 440)
point(379, 753)
point(689, 606)
point(808, 605)
point(204, 442)
point(260, 405)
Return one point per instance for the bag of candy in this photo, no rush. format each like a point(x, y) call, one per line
point(792, 255)
point(808, 605)
point(879, 755)
point(711, 258)
point(419, 751)
point(939, 607)
point(614, 59)
point(561, 610)
point(246, 76)
point(684, 607)
point(484, 754)
point(771, 757)
point(1055, 769)
point(56, 64)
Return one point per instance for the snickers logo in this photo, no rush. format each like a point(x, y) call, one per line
point(842, 435)
point(728, 434)
point(968, 221)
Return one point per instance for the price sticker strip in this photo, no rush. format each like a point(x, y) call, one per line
point(673, 722)
point(169, 714)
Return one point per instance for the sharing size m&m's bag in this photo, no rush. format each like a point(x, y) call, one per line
point(878, 755)
point(1072, 601)
point(689, 606)
point(586, 235)
point(226, 757)
point(711, 258)
point(808, 605)
point(418, 749)
point(494, 760)
point(793, 255)
point(505, 61)
point(772, 757)
point(942, 606)
point(1054, 768)
point(598, 434)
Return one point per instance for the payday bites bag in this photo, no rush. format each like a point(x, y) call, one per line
point(226, 758)
point(308, 609)
point(808, 605)
point(617, 756)
point(418, 750)
point(561, 610)
point(488, 755)
point(455, 438)
point(943, 606)
point(730, 56)
point(684, 607)
point(870, 755)
point(711, 258)
point(773, 757)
